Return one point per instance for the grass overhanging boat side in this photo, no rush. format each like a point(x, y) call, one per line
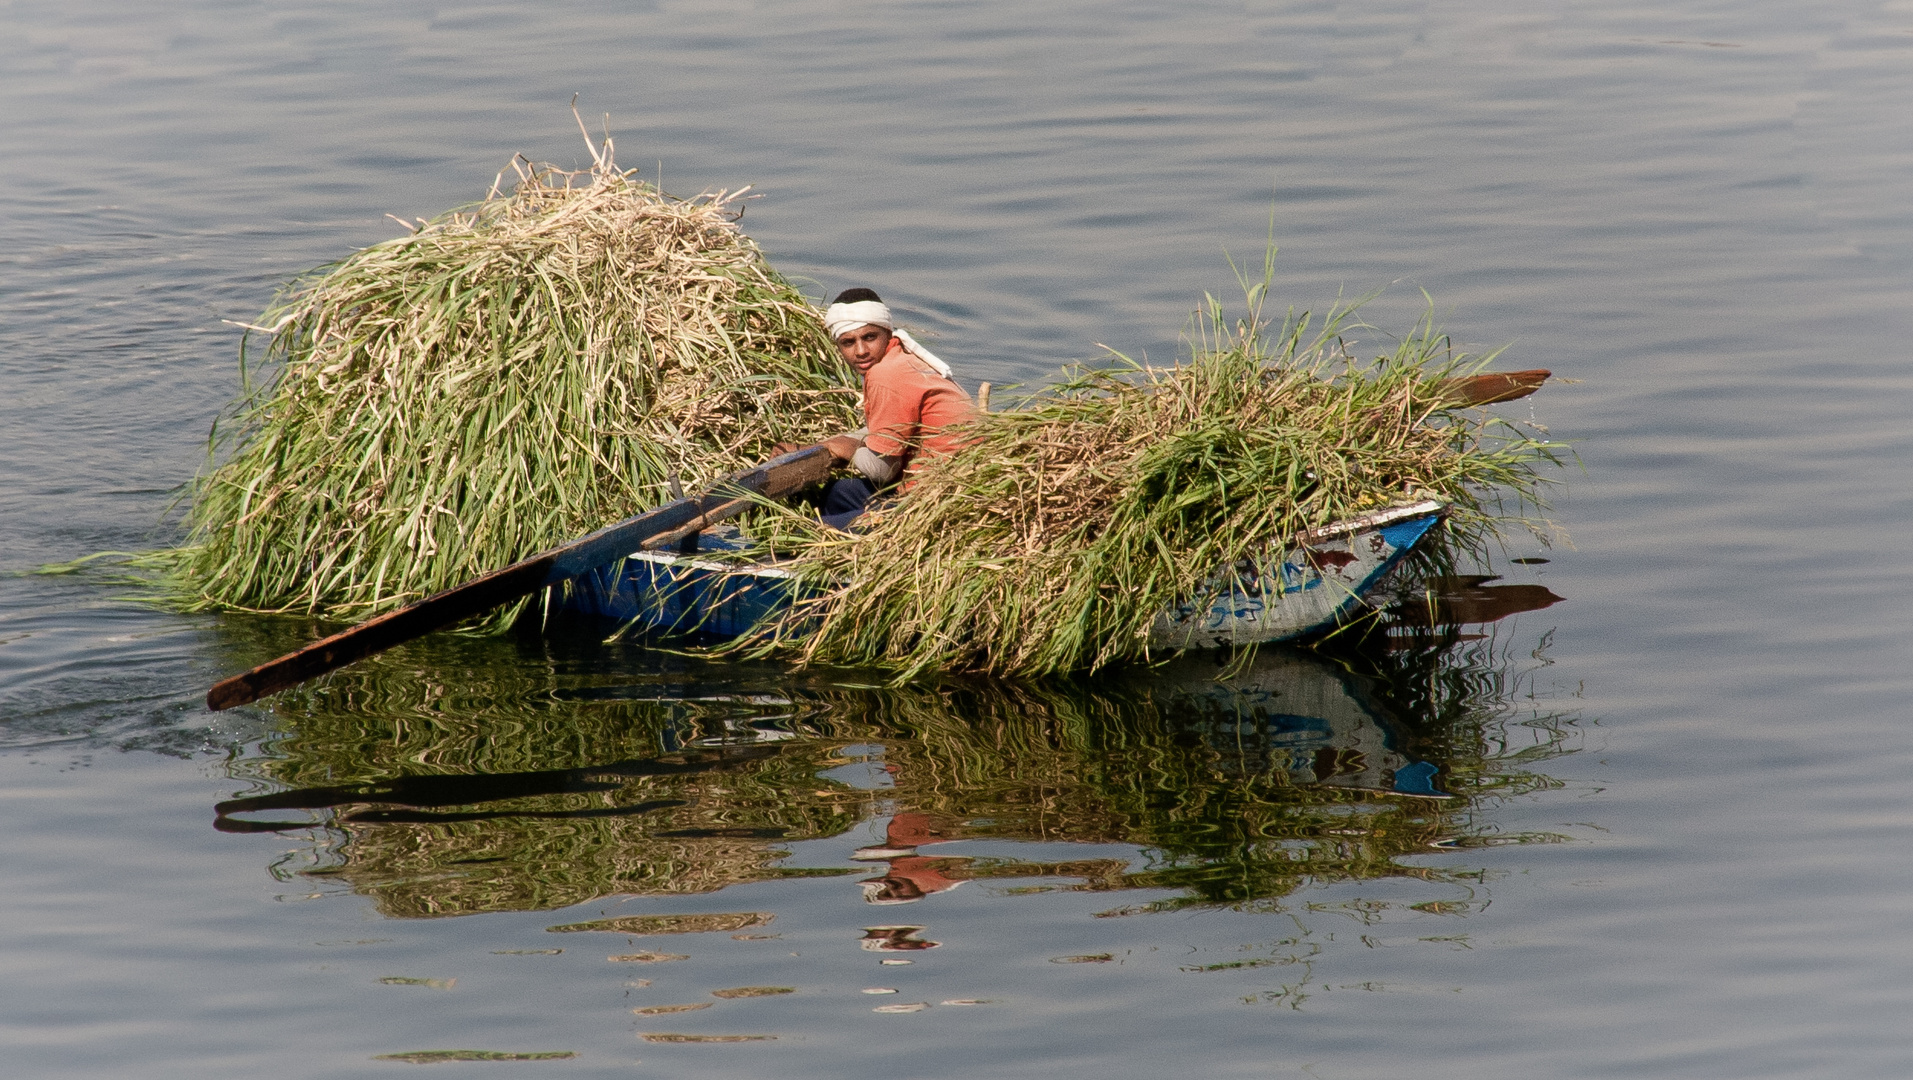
point(506, 377)
point(1072, 520)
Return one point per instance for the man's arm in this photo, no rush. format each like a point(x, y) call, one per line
point(879, 469)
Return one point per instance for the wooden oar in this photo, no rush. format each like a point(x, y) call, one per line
point(1491, 387)
point(658, 528)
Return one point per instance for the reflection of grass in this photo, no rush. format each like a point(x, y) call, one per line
point(635, 781)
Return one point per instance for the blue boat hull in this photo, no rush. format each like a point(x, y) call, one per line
point(682, 595)
point(1295, 592)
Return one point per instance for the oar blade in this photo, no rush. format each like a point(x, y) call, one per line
point(1494, 387)
point(378, 634)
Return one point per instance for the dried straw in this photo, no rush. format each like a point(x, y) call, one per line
point(508, 376)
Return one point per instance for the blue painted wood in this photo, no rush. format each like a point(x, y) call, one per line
point(1302, 590)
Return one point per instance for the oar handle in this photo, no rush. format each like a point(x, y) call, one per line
point(658, 528)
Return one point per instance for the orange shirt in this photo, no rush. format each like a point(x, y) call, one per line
point(910, 409)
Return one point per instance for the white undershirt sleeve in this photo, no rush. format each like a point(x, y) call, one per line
point(875, 467)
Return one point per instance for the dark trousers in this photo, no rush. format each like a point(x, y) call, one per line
point(845, 499)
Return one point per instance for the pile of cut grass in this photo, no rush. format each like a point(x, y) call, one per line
point(508, 376)
point(1052, 541)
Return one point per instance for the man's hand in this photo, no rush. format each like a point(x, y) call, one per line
point(842, 447)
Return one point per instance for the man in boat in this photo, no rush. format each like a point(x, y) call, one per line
point(912, 405)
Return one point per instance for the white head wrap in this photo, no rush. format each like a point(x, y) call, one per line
point(841, 317)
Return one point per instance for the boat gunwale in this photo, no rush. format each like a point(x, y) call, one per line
point(1374, 519)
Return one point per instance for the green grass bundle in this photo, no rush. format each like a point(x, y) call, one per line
point(508, 376)
point(1053, 540)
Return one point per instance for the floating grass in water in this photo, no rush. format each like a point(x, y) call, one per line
point(753, 991)
point(1053, 540)
point(508, 376)
point(669, 924)
point(435, 1057)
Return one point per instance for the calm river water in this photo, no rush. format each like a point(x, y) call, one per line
point(1676, 836)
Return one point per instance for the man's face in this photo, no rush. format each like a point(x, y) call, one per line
point(864, 346)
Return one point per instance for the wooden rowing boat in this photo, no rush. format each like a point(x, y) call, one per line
point(1296, 590)
point(695, 595)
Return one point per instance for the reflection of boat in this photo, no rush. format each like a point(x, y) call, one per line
point(419, 799)
point(1297, 716)
point(1295, 591)
point(1237, 784)
point(1287, 728)
point(1469, 598)
point(1283, 712)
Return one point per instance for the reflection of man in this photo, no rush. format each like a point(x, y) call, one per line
point(895, 939)
point(911, 876)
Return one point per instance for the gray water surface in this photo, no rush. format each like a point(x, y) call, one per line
point(1677, 839)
